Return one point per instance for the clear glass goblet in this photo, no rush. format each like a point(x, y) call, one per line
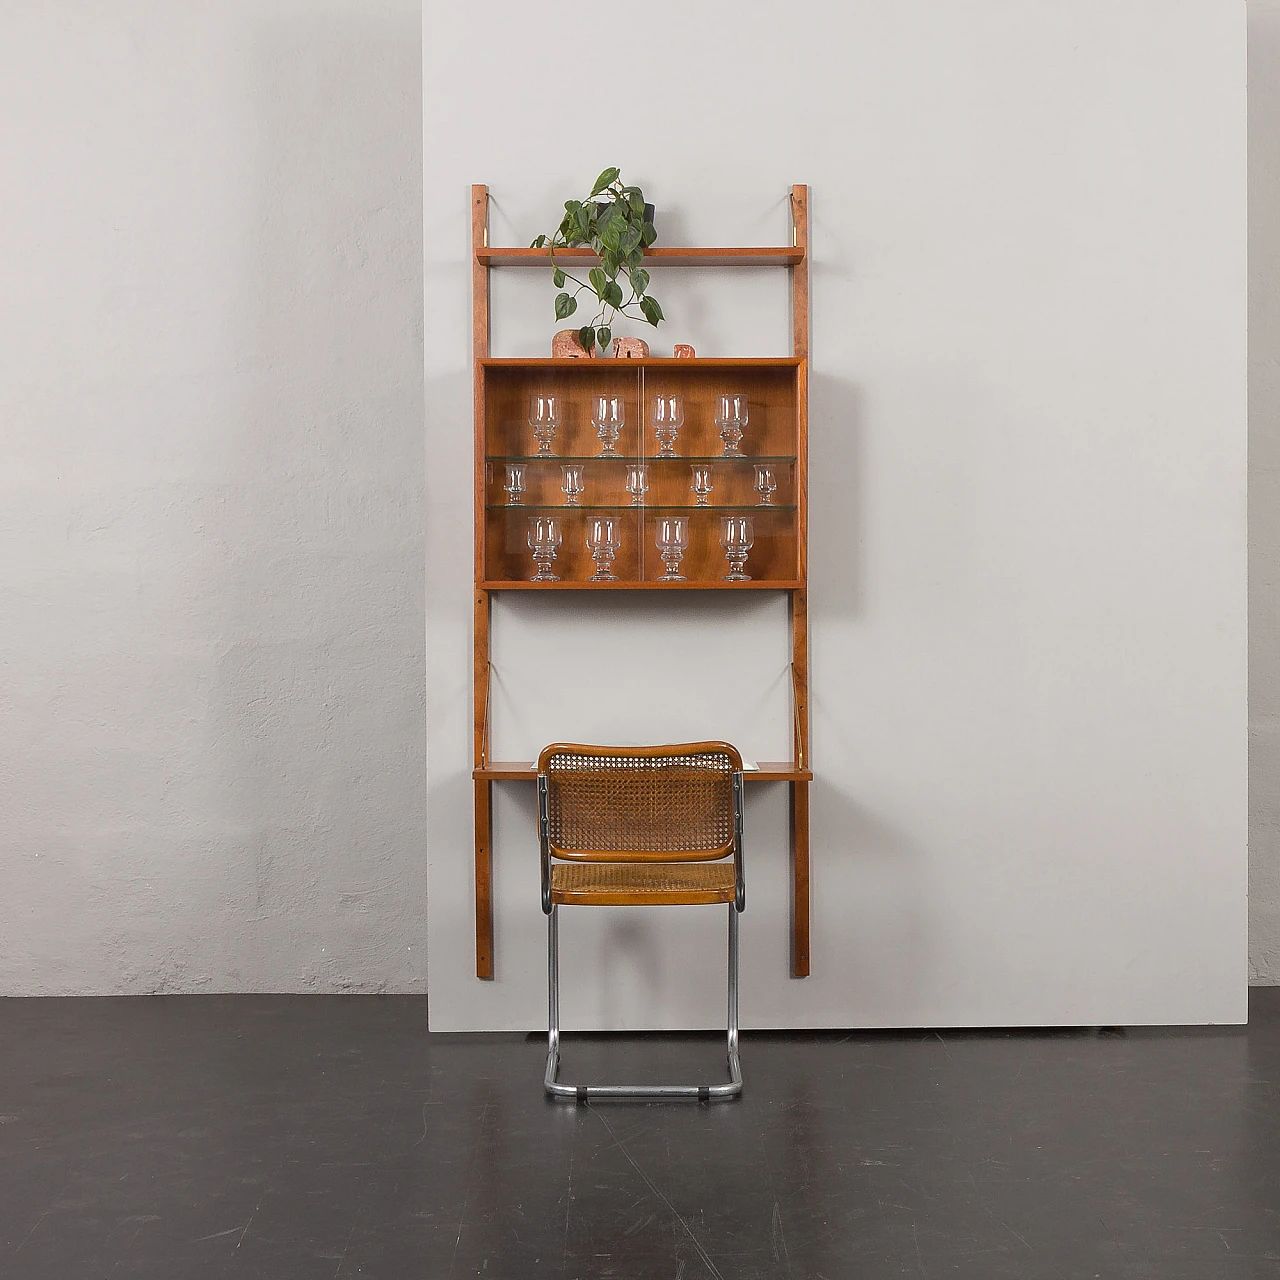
point(765, 485)
point(667, 416)
point(701, 485)
point(544, 542)
point(731, 418)
point(608, 416)
point(544, 418)
point(737, 537)
point(637, 484)
point(572, 483)
point(603, 540)
point(673, 541)
point(515, 484)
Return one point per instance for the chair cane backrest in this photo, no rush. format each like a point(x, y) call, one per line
point(640, 804)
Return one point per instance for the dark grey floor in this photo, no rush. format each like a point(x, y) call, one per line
point(332, 1137)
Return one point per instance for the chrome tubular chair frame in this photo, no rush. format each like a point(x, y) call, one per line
point(584, 1093)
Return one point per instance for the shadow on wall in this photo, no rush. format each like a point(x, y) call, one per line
point(1264, 491)
point(318, 724)
point(837, 496)
point(881, 868)
point(859, 858)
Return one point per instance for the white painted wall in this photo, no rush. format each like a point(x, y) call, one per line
point(1264, 491)
point(211, 652)
point(1028, 532)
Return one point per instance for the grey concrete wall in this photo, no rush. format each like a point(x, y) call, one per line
point(1264, 491)
point(211, 589)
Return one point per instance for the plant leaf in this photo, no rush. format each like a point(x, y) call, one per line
point(639, 280)
point(566, 305)
point(609, 233)
point(539, 242)
point(637, 202)
point(586, 336)
point(607, 178)
point(650, 234)
point(652, 312)
point(609, 263)
point(598, 281)
point(613, 294)
point(557, 276)
point(602, 337)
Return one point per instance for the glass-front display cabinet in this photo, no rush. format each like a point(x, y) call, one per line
point(662, 474)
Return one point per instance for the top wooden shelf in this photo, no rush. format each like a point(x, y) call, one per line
point(677, 257)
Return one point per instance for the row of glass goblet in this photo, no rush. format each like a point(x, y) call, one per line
point(608, 416)
point(666, 414)
point(637, 484)
point(604, 538)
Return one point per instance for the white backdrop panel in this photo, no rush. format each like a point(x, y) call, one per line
point(1028, 516)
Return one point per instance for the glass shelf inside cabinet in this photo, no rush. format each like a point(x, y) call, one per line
point(632, 459)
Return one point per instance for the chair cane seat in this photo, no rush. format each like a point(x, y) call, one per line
point(605, 884)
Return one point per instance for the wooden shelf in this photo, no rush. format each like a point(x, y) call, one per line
point(767, 256)
point(523, 771)
point(598, 363)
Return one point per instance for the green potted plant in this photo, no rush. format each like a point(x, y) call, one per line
point(615, 222)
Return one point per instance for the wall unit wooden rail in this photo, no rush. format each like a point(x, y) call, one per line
point(776, 438)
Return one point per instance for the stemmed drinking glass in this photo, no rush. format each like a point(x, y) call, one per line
point(673, 539)
point(737, 537)
point(667, 415)
point(544, 418)
point(731, 418)
point(571, 483)
point(603, 540)
point(608, 416)
point(515, 484)
point(765, 485)
point(637, 484)
point(701, 485)
point(544, 542)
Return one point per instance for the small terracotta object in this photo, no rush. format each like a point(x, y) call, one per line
point(684, 351)
point(630, 348)
point(567, 344)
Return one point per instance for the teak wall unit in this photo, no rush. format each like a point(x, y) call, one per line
point(777, 436)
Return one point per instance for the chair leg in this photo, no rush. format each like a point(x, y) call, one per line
point(553, 1001)
point(585, 1092)
point(735, 1071)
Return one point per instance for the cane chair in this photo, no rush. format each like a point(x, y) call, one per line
point(640, 826)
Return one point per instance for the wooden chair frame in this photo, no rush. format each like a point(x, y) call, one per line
point(614, 892)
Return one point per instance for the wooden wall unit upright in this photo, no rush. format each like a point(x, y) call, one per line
point(777, 436)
